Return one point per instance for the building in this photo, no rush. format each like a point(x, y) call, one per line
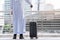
point(7, 16)
point(7, 13)
point(1, 15)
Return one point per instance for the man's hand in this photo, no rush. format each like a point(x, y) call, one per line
point(31, 6)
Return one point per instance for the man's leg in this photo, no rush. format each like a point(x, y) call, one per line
point(15, 25)
point(21, 29)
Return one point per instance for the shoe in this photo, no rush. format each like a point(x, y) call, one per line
point(21, 36)
point(14, 36)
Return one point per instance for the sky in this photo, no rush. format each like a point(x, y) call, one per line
point(1, 5)
point(55, 3)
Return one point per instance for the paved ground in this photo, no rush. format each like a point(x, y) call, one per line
point(41, 36)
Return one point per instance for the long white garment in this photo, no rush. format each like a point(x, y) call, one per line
point(18, 19)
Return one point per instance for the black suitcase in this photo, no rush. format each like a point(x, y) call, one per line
point(33, 30)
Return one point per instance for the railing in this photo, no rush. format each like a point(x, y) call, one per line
point(43, 23)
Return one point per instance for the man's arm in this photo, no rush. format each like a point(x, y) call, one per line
point(29, 3)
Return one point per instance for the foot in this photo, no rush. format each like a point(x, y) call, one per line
point(14, 36)
point(21, 36)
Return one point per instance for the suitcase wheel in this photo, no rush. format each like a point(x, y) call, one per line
point(31, 37)
point(36, 37)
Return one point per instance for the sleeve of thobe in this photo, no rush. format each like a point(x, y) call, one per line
point(28, 2)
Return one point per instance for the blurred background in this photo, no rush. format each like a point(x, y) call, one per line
point(46, 13)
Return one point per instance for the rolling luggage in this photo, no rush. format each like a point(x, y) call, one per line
point(33, 30)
